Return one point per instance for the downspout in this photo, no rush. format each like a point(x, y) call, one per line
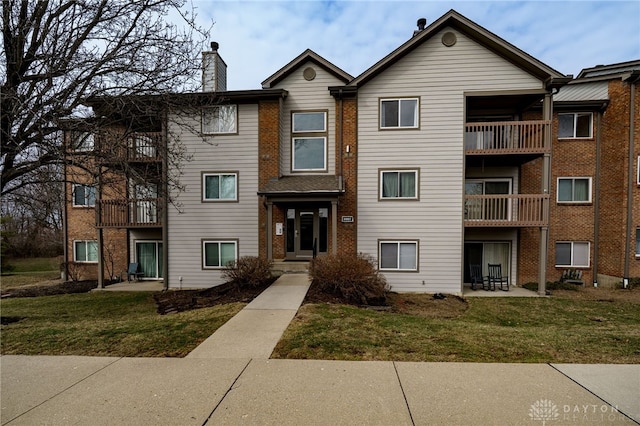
point(165, 203)
point(627, 245)
point(340, 141)
point(99, 228)
point(596, 201)
point(65, 230)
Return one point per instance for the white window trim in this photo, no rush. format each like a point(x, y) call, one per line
point(293, 121)
point(417, 184)
point(293, 154)
point(206, 131)
point(575, 122)
point(416, 114)
point(573, 265)
point(73, 196)
point(203, 256)
point(398, 242)
point(84, 136)
point(638, 166)
point(588, 201)
point(219, 200)
point(75, 255)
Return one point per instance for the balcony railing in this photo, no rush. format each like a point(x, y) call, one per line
point(507, 137)
point(520, 210)
point(144, 146)
point(130, 213)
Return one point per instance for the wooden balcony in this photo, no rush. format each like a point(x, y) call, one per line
point(137, 147)
point(130, 213)
point(507, 137)
point(145, 147)
point(508, 210)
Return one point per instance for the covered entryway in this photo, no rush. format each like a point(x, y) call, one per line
point(301, 216)
point(307, 232)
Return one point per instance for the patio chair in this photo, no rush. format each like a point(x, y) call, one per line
point(134, 270)
point(496, 277)
point(475, 272)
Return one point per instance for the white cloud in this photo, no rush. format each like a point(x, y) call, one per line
point(258, 37)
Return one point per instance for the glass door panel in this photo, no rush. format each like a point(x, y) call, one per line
point(306, 232)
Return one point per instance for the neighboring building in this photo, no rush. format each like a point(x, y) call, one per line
point(595, 210)
point(434, 159)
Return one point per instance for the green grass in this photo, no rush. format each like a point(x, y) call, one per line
point(105, 324)
point(29, 271)
point(490, 330)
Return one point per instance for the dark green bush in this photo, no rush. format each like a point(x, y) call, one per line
point(248, 271)
point(353, 278)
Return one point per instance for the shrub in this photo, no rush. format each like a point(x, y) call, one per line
point(353, 278)
point(248, 271)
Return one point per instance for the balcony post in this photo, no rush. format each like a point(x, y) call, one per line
point(547, 112)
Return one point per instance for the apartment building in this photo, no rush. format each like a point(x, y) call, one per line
point(440, 156)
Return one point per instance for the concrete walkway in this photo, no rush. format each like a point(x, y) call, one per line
point(70, 390)
point(255, 330)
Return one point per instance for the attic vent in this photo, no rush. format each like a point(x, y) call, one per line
point(309, 73)
point(449, 39)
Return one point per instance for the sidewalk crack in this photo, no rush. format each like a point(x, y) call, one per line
point(404, 395)
point(226, 393)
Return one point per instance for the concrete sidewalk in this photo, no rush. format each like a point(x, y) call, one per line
point(229, 379)
point(158, 391)
point(255, 330)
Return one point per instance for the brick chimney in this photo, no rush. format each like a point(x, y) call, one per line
point(214, 71)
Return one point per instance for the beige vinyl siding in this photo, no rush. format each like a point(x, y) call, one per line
point(439, 76)
point(194, 220)
point(308, 95)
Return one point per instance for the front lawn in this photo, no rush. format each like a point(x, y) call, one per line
point(562, 329)
point(105, 324)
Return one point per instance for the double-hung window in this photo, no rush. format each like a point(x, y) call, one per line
point(575, 125)
point(572, 253)
point(84, 196)
point(309, 141)
point(218, 254)
point(220, 119)
point(82, 141)
point(574, 190)
point(399, 184)
point(399, 113)
point(220, 186)
point(398, 255)
point(85, 251)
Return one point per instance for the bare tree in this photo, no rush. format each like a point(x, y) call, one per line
point(58, 54)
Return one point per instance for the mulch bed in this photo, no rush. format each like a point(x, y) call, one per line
point(51, 289)
point(169, 302)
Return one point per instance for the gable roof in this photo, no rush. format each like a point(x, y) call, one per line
point(307, 55)
point(483, 36)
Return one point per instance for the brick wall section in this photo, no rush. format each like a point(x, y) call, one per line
point(571, 222)
point(347, 232)
point(81, 226)
point(634, 265)
point(268, 168)
point(529, 238)
point(613, 193)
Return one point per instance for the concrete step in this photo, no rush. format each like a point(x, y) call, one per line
point(289, 267)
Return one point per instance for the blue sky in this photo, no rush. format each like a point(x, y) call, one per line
point(259, 37)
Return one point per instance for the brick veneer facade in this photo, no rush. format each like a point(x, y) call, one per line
point(347, 205)
point(269, 131)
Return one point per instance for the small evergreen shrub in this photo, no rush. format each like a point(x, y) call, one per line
point(248, 271)
point(353, 278)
